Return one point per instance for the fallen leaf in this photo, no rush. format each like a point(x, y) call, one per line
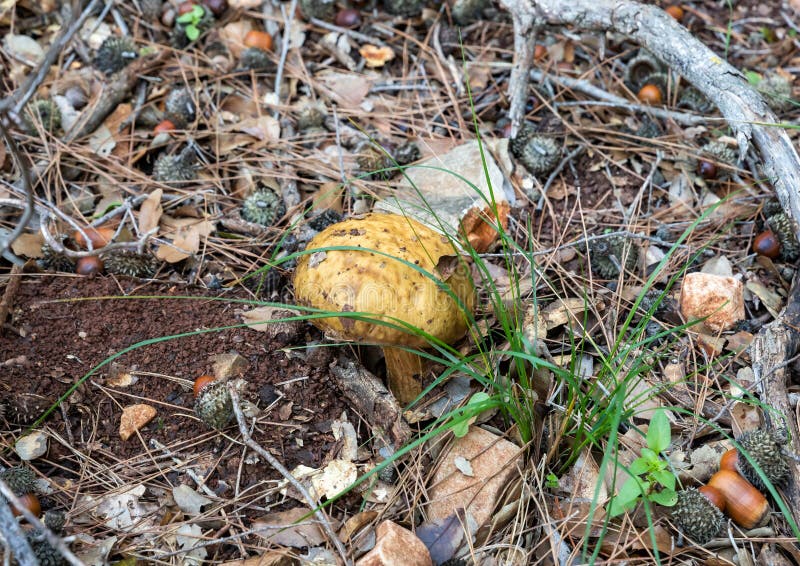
point(24, 48)
point(29, 245)
point(337, 476)
point(263, 128)
point(150, 211)
point(463, 466)
point(347, 89)
point(443, 537)
point(188, 500)
point(282, 528)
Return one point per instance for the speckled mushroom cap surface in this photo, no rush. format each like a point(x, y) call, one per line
point(377, 281)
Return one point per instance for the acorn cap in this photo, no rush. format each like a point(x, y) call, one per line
point(54, 261)
point(42, 112)
point(720, 151)
point(620, 247)
point(264, 207)
point(214, 405)
point(539, 154)
point(692, 99)
point(403, 7)
point(310, 114)
point(376, 163)
point(324, 219)
point(179, 107)
point(254, 59)
point(20, 480)
point(765, 449)
point(641, 66)
point(320, 9)
point(696, 516)
point(115, 54)
point(176, 169)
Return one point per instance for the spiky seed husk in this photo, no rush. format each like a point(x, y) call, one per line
point(54, 520)
point(266, 283)
point(25, 408)
point(719, 151)
point(407, 153)
point(783, 227)
point(320, 9)
point(20, 480)
point(311, 114)
point(254, 59)
point(621, 248)
point(180, 108)
point(696, 516)
point(54, 261)
point(214, 405)
point(151, 9)
point(44, 112)
point(772, 207)
point(324, 219)
point(777, 89)
point(175, 169)
point(649, 128)
point(376, 163)
point(132, 264)
point(115, 54)
point(264, 207)
point(44, 551)
point(764, 448)
point(649, 300)
point(692, 99)
point(641, 66)
point(403, 7)
point(539, 154)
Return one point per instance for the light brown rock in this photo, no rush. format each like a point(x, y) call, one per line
point(134, 417)
point(494, 462)
point(719, 298)
point(396, 546)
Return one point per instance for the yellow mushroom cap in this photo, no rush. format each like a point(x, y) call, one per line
point(382, 285)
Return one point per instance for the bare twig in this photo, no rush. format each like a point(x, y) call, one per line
point(363, 38)
point(526, 28)
point(24, 186)
point(272, 461)
point(288, 17)
point(14, 537)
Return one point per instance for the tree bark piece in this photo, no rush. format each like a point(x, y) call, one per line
point(751, 120)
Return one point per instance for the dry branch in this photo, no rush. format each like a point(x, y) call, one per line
point(751, 120)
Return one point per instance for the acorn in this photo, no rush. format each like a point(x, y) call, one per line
point(180, 107)
point(89, 265)
point(643, 65)
point(697, 515)
point(115, 54)
point(718, 152)
point(20, 480)
point(675, 11)
point(783, 227)
point(42, 112)
point(214, 406)
point(264, 207)
point(176, 169)
point(621, 248)
point(767, 244)
point(30, 502)
point(217, 7)
point(764, 448)
point(54, 261)
point(254, 59)
point(319, 9)
point(259, 39)
point(707, 169)
point(324, 219)
point(660, 81)
point(375, 163)
point(650, 94)
point(403, 7)
point(743, 502)
point(131, 264)
point(692, 99)
point(99, 236)
point(201, 383)
point(539, 154)
point(348, 18)
point(777, 90)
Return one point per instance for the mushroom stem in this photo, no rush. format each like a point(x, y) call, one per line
point(403, 370)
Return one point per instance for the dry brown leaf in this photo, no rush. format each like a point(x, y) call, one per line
point(185, 243)
point(348, 89)
point(232, 35)
point(282, 528)
point(150, 211)
point(29, 245)
point(263, 128)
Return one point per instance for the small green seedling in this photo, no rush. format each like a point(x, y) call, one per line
point(551, 481)
point(461, 428)
point(650, 479)
point(191, 21)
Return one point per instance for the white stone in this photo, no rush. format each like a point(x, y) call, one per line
point(396, 546)
point(719, 298)
point(31, 446)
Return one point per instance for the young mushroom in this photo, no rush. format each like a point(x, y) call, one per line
point(406, 274)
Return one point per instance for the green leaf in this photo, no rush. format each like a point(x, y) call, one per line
point(650, 457)
point(192, 32)
point(186, 18)
point(665, 478)
point(752, 77)
point(638, 466)
point(658, 433)
point(551, 481)
point(627, 497)
point(666, 497)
